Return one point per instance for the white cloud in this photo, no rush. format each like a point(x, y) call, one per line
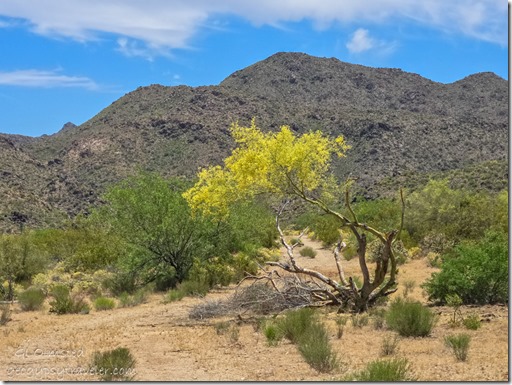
point(45, 79)
point(153, 27)
point(361, 41)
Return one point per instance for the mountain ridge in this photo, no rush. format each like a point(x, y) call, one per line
point(396, 122)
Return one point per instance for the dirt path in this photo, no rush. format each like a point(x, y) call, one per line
point(168, 346)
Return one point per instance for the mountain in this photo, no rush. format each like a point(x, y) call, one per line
point(398, 123)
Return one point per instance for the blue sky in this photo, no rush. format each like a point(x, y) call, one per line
point(67, 60)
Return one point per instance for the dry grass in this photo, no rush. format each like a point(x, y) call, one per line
point(168, 345)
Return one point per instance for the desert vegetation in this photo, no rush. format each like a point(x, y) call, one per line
point(304, 258)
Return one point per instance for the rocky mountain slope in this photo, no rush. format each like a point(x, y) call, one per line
point(396, 122)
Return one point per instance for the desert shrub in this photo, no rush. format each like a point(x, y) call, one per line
point(389, 345)
point(383, 370)
point(209, 309)
point(272, 333)
point(104, 303)
point(117, 364)
point(64, 303)
point(194, 288)
point(174, 295)
point(121, 282)
point(315, 348)
point(5, 314)
point(31, 299)
point(476, 271)
point(436, 243)
point(410, 318)
point(459, 343)
point(307, 252)
point(295, 323)
point(297, 241)
point(127, 300)
point(359, 320)
point(472, 322)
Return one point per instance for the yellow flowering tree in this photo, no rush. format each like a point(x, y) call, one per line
point(285, 165)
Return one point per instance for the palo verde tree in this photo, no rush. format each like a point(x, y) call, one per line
point(287, 166)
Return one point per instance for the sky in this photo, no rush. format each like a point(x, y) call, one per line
point(65, 61)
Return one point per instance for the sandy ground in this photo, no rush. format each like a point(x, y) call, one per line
point(168, 346)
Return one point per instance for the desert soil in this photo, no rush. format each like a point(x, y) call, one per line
point(168, 346)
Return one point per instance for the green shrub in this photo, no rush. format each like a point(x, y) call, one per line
point(459, 343)
point(317, 351)
point(295, 323)
point(114, 365)
point(472, 322)
point(31, 299)
point(383, 370)
point(389, 345)
point(64, 303)
point(127, 300)
point(194, 288)
point(174, 295)
point(103, 303)
point(410, 318)
point(121, 282)
point(272, 333)
point(307, 252)
point(476, 271)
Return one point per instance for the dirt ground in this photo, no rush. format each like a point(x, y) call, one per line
point(168, 346)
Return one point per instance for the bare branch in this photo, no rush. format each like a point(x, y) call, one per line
point(337, 252)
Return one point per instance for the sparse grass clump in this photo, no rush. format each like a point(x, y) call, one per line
point(472, 322)
point(410, 318)
point(114, 365)
point(127, 300)
point(64, 303)
point(187, 288)
point(104, 303)
point(379, 318)
point(359, 320)
point(31, 299)
point(383, 370)
point(272, 333)
point(389, 345)
point(317, 351)
point(459, 343)
point(340, 323)
point(295, 323)
point(307, 252)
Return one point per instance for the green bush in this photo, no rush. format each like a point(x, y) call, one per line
point(114, 365)
point(459, 343)
point(174, 295)
point(127, 300)
point(476, 271)
point(31, 299)
point(472, 322)
point(307, 252)
point(272, 333)
point(64, 303)
point(410, 318)
point(121, 282)
point(317, 351)
point(296, 323)
point(194, 288)
point(383, 370)
point(103, 303)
